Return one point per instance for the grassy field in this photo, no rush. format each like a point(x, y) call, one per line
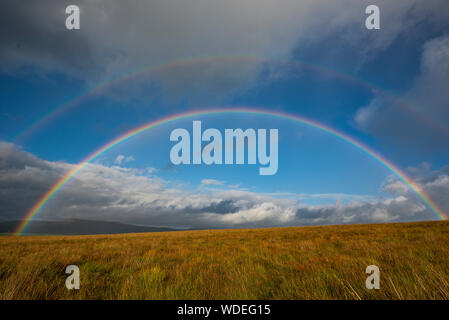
point(279, 263)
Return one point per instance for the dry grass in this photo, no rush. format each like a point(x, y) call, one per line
point(280, 263)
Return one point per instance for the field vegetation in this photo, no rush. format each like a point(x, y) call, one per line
point(325, 262)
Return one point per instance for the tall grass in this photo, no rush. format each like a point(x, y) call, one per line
point(326, 262)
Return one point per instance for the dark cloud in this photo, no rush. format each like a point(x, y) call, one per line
point(33, 36)
point(218, 207)
point(117, 37)
point(23, 179)
point(418, 123)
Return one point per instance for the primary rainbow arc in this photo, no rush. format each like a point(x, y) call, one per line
point(37, 207)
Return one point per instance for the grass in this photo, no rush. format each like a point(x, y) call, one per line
point(326, 262)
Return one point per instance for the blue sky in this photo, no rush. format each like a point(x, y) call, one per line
point(347, 78)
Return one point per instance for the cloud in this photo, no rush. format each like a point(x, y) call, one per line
point(424, 123)
point(208, 182)
point(120, 159)
point(132, 196)
point(110, 43)
point(151, 170)
point(339, 196)
point(364, 115)
point(423, 167)
point(395, 186)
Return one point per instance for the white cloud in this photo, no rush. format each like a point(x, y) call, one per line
point(382, 215)
point(151, 170)
point(365, 114)
point(208, 182)
point(340, 196)
point(120, 159)
point(395, 186)
point(132, 196)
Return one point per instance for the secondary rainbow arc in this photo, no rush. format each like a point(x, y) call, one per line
point(37, 207)
point(61, 109)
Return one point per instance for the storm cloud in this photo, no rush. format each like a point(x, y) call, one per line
point(421, 118)
point(115, 38)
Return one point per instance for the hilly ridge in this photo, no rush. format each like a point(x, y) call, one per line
point(78, 227)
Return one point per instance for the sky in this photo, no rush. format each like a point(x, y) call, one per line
point(134, 63)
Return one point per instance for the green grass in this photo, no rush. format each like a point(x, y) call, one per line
point(278, 263)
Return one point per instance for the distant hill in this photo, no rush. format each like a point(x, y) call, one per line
point(79, 227)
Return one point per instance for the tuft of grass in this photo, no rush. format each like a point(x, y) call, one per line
point(326, 262)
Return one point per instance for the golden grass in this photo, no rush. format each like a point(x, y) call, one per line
point(279, 263)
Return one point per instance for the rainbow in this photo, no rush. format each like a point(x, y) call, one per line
point(101, 88)
point(37, 207)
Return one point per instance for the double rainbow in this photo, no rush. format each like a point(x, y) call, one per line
point(37, 207)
